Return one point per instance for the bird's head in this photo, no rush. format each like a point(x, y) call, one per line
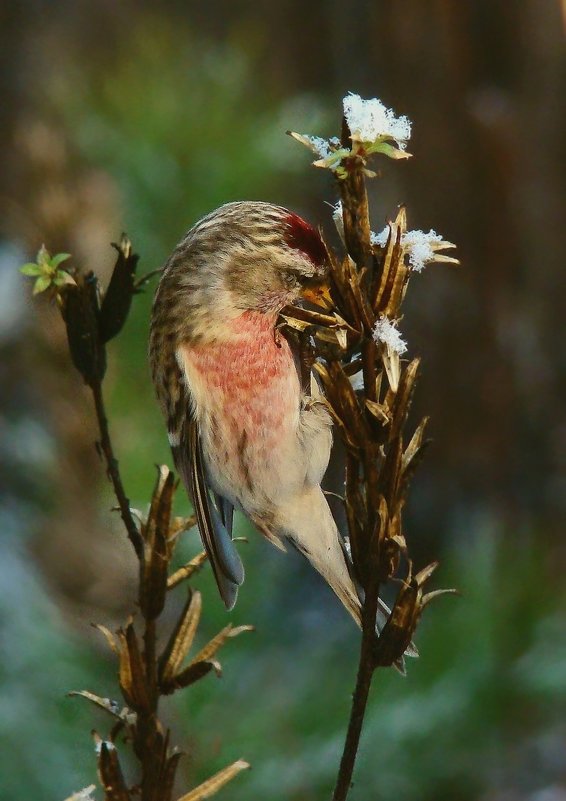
point(274, 257)
point(246, 256)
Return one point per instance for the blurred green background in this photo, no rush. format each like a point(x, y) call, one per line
point(128, 116)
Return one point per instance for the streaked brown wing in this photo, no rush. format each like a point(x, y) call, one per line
point(213, 525)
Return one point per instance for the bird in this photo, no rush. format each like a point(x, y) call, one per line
point(245, 431)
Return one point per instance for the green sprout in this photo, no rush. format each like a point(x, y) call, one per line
point(46, 271)
point(371, 127)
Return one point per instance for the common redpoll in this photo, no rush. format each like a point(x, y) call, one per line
point(244, 431)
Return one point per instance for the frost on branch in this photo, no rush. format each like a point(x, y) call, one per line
point(373, 129)
point(370, 121)
point(386, 332)
point(421, 248)
point(319, 145)
point(338, 219)
point(86, 794)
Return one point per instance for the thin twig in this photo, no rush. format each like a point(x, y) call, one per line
point(113, 471)
point(144, 279)
point(366, 668)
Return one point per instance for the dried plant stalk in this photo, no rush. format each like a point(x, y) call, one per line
point(369, 282)
point(144, 676)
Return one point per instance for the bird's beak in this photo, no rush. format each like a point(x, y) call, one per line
point(317, 292)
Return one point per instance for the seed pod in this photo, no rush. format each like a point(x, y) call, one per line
point(118, 297)
point(80, 311)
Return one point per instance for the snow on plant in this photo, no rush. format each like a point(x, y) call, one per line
point(338, 219)
point(420, 247)
point(321, 146)
point(386, 332)
point(370, 121)
point(373, 128)
point(86, 794)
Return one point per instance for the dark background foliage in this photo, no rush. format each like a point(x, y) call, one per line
point(132, 117)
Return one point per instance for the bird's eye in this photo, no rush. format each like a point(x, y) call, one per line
point(290, 281)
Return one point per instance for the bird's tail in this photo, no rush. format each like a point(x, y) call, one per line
point(309, 525)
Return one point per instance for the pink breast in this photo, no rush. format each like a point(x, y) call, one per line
point(252, 389)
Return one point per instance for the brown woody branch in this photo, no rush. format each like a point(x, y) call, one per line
point(113, 471)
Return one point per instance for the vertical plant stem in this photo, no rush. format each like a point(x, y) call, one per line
point(147, 738)
point(368, 368)
point(150, 740)
point(149, 639)
point(366, 666)
point(370, 470)
point(113, 471)
point(361, 694)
